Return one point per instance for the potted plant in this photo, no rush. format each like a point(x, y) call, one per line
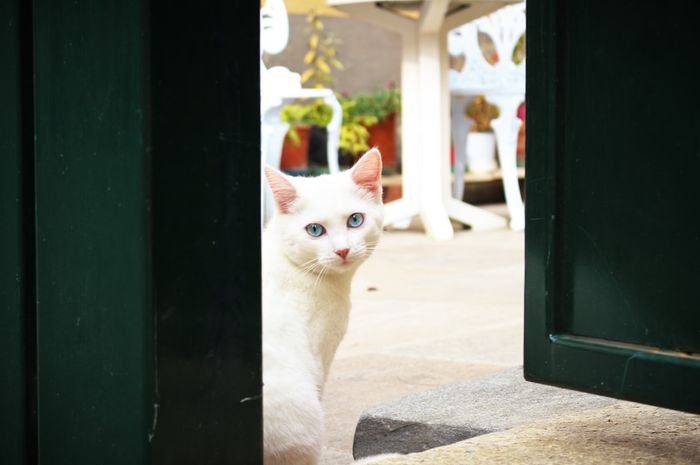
point(385, 104)
point(301, 117)
point(321, 58)
point(354, 135)
point(369, 120)
point(481, 142)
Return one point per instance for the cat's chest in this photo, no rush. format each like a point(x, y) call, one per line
point(320, 312)
point(329, 297)
point(322, 304)
point(325, 309)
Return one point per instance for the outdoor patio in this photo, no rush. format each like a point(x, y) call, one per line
point(429, 313)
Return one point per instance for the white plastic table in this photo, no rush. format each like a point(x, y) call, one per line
point(425, 105)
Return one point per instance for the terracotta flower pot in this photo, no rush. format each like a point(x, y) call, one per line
point(295, 157)
point(383, 136)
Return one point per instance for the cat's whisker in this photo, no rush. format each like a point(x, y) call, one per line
point(317, 261)
point(308, 262)
point(315, 269)
point(310, 271)
point(368, 248)
point(308, 266)
point(319, 277)
point(319, 268)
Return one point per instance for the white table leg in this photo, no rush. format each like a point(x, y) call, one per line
point(407, 206)
point(506, 128)
point(425, 118)
point(477, 218)
point(433, 151)
point(460, 127)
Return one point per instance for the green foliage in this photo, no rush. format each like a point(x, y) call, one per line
point(363, 111)
point(482, 112)
point(353, 132)
point(321, 55)
point(380, 103)
point(316, 113)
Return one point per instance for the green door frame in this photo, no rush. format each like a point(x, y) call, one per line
point(16, 230)
point(130, 279)
point(661, 369)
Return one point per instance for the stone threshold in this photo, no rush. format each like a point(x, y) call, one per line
point(452, 413)
point(621, 433)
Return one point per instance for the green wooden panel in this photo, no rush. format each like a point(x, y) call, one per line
point(631, 99)
point(206, 231)
point(12, 269)
point(147, 230)
point(612, 249)
point(94, 305)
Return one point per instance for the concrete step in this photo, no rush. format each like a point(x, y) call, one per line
point(621, 433)
point(492, 403)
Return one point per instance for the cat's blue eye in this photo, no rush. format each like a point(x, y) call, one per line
point(355, 220)
point(315, 229)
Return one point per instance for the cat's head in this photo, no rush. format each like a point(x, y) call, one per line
point(330, 222)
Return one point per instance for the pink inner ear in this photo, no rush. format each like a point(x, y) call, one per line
point(282, 190)
point(367, 172)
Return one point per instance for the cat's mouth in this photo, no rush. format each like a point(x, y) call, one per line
point(343, 263)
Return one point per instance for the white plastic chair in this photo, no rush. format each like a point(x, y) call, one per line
point(502, 83)
point(278, 87)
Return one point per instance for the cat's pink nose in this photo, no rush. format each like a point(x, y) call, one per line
point(342, 253)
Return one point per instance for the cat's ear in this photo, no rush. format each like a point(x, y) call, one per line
point(367, 173)
point(282, 189)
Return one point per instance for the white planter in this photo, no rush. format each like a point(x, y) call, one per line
point(481, 152)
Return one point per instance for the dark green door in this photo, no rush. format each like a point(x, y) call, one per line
point(16, 262)
point(129, 267)
point(613, 231)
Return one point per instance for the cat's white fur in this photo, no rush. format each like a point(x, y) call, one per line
point(306, 297)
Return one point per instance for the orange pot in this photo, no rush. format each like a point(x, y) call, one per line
point(295, 157)
point(383, 136)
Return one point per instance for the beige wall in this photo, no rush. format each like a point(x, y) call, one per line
point(371, 55)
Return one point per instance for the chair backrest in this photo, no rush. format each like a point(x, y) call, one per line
point(274, 36)
point(274, 27)
point(478, 76)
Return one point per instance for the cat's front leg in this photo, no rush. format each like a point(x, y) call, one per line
point(292, 424)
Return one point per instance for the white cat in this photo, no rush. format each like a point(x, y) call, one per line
point(324, 228)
